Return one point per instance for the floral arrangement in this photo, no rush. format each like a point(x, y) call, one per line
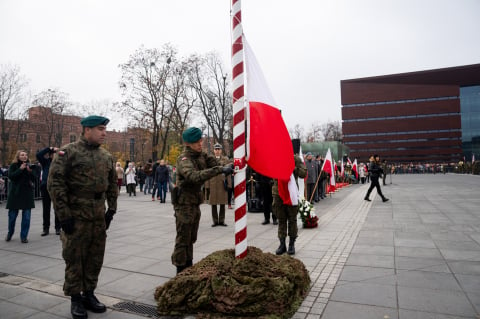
point(308, 217)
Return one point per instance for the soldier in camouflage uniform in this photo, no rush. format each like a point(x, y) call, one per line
point(287, 214)
point(194, 168)
point(82, 177)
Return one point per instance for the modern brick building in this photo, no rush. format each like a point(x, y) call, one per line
point(427, 116)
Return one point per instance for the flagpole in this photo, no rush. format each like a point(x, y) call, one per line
point(239, 131)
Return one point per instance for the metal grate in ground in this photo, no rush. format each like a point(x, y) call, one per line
point(137, 308)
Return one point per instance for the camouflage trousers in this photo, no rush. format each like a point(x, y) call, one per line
point(187, 219)
point(287, 218)
point(83, 252)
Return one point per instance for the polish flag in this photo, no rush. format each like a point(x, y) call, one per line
point(269, 147)
point(354, 168)
point(328, 166)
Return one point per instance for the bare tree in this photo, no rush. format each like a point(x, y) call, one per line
point(209, 80)
point(296, 132)
point(314, 134)
point(143, 84)
point(53, 105)
point(332, 131)
point(12, 86)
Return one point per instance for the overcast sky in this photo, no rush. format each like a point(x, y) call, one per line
point(304, 47)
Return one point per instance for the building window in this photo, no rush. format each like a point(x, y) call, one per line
point(23, 137)
point(38, 138)
point(5, 136)
point(73, 138)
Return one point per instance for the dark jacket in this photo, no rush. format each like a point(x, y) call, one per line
point(20, 193)
point(161, 174)
point(375, 170)
point(45, 162)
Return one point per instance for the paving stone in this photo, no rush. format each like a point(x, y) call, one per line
point(337, 310)
point(364, 293)
point(448, 302)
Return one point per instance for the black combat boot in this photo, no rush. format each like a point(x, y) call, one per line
point(91, 302)
point(45, 232)
point(282, 248)
point(181, 268)
point(77, 309)
point(384, 199)
point(291, 246)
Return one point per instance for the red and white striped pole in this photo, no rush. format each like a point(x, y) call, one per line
point(239, 131)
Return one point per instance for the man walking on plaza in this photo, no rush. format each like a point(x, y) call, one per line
point(194, 168)
point(82, 177)
point(375, 171)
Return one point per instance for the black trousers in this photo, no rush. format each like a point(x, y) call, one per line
point(374, 183)
point(47, 206)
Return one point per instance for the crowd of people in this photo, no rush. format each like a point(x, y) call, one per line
point(83, 182)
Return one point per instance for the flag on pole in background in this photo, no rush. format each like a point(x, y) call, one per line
point(354, 168)
point(267, 134)
point(328, 167)
point(342, 169)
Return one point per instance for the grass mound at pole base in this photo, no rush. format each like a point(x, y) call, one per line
point(261, 285)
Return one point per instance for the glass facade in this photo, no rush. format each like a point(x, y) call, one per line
point(470, 110)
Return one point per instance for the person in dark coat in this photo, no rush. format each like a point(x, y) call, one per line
point(375, 171)
point(20, 195)
point(45, 157)
point(161, 178)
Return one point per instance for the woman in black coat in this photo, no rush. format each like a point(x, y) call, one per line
point(20, 194)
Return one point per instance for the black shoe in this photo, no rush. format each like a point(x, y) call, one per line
point(265, 222)
point(24, 240)
point(275, 222)
point(385, 199)
point(45, 232)
point(367, 199)
point(214, 224)
point(57, 231)
point(8, 237)
point(78, 310)
point(222, 224)
point(91, 303)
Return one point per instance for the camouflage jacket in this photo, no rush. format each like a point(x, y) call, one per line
point(194, 169)
point(82, 176)
point(300, 170)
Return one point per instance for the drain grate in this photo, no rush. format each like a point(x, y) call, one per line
point(137, 308)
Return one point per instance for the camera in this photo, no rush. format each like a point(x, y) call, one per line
point(32, 166)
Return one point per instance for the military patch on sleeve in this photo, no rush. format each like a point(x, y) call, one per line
point(61, 153)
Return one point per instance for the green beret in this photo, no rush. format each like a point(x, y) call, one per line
point(192, 135)
point(94, 120)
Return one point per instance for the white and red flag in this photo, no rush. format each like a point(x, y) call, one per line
point(355, 169)
point(267, 134)
point(269, 147)
point(328, 166)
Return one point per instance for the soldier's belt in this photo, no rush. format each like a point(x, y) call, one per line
point(91, 195)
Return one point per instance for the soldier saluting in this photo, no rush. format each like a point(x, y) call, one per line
point(82, 177)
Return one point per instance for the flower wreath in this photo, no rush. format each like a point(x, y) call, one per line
point(307, 215)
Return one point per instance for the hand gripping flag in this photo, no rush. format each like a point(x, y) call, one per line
point(267, 135)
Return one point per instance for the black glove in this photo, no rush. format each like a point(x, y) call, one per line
point(68, 225)
point(227, 169)
point(108, 217)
